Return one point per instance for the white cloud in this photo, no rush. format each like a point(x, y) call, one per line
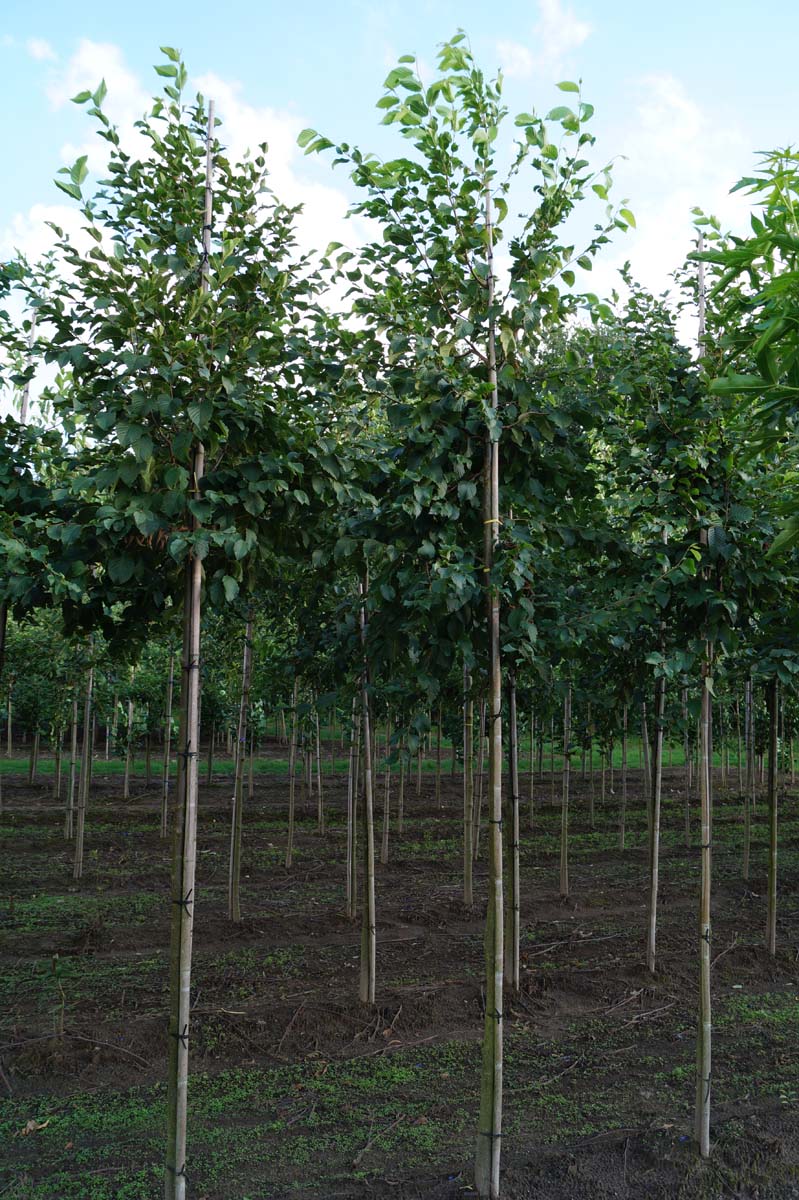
point(678, 156)
point(124, 104)
point(515, 59)
point(41, 50)
point(555, 35)
point(244, 127)
point(30, 233)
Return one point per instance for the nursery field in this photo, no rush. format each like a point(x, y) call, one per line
point(299, 1091)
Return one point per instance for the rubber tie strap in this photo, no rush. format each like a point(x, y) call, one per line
point(495, 1016)
point(185, 902)
point(179, 1174)
point(183, 1037)
point(493, 1136)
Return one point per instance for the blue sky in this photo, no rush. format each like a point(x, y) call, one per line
point(686, 91)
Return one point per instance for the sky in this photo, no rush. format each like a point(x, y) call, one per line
point(685, 94)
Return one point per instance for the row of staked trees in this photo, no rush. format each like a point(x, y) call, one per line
point(463, 497)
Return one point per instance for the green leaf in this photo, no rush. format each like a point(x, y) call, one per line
point(167, 70)
point(121, 569)
point(566, 85)
point(71, 189)
point(100, 94)
point(306, 136)
point(81, 97)
point(786, 539)
point(79, 171)
point(231, 588)
point(170, 52)
point(628, 217)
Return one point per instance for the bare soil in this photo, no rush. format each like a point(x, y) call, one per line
point(299, 1091)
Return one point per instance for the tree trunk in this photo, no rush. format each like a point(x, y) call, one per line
point(487, 1160)
point(292, 774)
point(688, 760)
point(703, 1056)
point(771, 917)
point(352, 789)
point(532, 769)
point(564, 809)
point(128, 752)
point(654, 834)
point(511, 826)
point(73, 766)
point(183, 870)
point(468, 789)
point(749, 733)
point(170, 688)
point(480, 764)
point(368, 926)
point(83, 790)
point(234, 869)
point(438, 758)
point(320, 802)
point(386, 796)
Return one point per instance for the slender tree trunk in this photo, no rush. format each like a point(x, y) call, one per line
point(128, 752)
point(352, 784)
point(438, 758)
point(320, 802)
point(58, 765)
point(170, 688)
point(401, 796)
point(292, 773)
point(489, 1137)
point(73, 767)
point(552, 760)
point(468, 789)
point(704, 1030)
point(183, 873)
point(654, 836)
point(34, 757)
point(647, 764)
point(480, 765)
point(511, 825)
point(564, 809)
point(532, 769)
point(185, 843)
point(83, 790)
point(369, 919)
point(688, 760)
point(386, 796)
point(234, 869)
point(749, 734)
point(771, 918)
